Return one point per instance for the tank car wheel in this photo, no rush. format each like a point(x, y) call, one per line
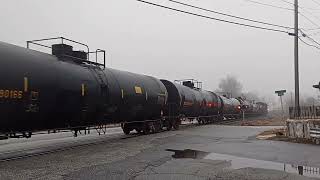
point(145, 132)
point(126, 130)
point(146, 128)
point(157, 127)
point(27, 134)
point(139, 131)
point(208, 120)
point(176, 124)
point(204, 121)
point(152, 127)
point(169, 126)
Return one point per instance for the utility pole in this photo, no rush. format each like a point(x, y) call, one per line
point(296, 59)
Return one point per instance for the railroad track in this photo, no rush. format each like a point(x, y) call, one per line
point(238, 121)
point(65, 146)
point(82, 143)
point(32, 152)
point(228, 122)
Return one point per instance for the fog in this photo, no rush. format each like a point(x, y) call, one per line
point(154, 41)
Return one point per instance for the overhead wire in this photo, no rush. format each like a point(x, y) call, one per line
point(311, 39)
point(285, 1)
point(308, 19)
point(302, 8)
point(229, 15)
point(232, 22)
point(306, 10)
point(315, 34)
point(212, 18)
point(304, 16)
point(316, 2)
point(311, 29)
point(310, 13)
point(315, 24)
point(269, 5)
point(236, 23)
point(247, 19)
point(308, 43)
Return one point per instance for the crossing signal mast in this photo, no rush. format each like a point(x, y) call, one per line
point(280, 94)
point(317, 86)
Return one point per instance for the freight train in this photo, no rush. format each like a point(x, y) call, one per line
point(67, 90)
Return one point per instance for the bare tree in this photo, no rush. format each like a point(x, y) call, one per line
point(251, 96)
point(230, 86)
point(309, 101)
point(305, 100)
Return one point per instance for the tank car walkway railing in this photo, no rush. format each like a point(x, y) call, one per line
point(39, 42)
point(304, 112)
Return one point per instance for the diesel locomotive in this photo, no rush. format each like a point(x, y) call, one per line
point(68, 90)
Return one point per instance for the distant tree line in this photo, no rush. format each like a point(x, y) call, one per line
point(232, 87)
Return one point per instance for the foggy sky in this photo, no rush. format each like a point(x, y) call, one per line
point(165, 44)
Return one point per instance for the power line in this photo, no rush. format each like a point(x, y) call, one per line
point(315, 34)
point(311, 29)
point(316, 29)
point(269, 5)
point(312, 22)
point(307, 36)
point(232, 22)
point(212, 18)
point(316, 2)
point(308, 43)
point(313, 40)
point(307, 11)
point(229, 15)
point(285, 1)
point(304, 16)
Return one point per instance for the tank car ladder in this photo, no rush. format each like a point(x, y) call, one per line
point(101, 78)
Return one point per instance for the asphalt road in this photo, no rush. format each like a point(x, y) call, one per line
point(202, 152)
